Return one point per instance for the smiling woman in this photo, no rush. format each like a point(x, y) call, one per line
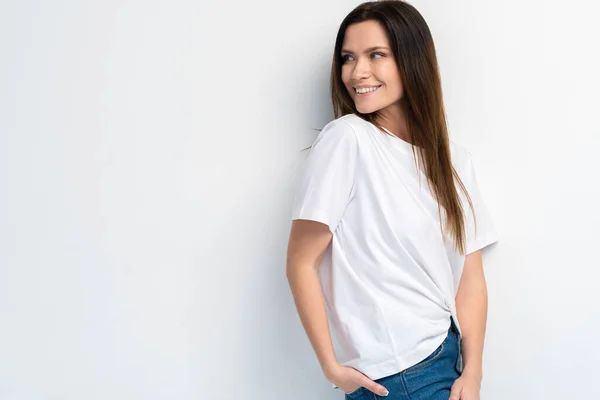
point(374, 66)
point(373, 254)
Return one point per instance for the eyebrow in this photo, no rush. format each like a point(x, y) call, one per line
point(367, 50)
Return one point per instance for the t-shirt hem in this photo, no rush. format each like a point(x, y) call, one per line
point(392, 366)
point(486, 240)
point(316, 215)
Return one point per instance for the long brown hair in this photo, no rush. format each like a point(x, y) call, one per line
point(414, 51)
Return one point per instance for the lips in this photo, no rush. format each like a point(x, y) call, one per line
point(369, 92)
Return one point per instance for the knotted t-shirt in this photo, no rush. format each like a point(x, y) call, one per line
point(389, 277)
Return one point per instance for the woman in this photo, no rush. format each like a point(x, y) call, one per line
point(388, 223)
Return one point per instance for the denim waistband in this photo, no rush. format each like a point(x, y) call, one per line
point(459, 361)
point(453, 326)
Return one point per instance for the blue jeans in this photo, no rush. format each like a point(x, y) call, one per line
point(430, 379)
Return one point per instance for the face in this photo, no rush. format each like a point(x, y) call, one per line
point(364, 65)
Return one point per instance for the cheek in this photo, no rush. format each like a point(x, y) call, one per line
point(345, 79)
point(345, 75)
point(390, 73)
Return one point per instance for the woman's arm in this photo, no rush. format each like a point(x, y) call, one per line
point(471, 307)
point(307, 243)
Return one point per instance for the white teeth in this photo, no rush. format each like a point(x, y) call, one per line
point(366, 90)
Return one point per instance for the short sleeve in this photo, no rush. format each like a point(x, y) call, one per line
point(484, 233)
point(325, 183)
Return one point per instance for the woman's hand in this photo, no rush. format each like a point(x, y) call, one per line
point(466, 387)
point(349, 379)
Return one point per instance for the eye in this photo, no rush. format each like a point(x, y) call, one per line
point(344, 56)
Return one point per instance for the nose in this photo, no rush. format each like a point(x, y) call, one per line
point(361, 69)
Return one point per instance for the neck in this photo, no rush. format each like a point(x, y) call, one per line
point(393, 118)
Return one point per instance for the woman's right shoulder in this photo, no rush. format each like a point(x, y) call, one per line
point(347, 126)
point(339, 136)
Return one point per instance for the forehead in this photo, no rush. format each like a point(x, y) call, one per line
point(363, 35)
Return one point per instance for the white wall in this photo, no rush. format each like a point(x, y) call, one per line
point(147, 154)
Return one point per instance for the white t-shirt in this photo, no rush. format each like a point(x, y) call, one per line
point(388, 278)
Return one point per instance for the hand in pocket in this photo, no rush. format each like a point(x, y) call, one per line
point(350, 380)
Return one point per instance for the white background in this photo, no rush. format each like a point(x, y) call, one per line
point(147, 156)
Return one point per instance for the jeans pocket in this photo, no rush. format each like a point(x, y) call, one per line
point(354, 394)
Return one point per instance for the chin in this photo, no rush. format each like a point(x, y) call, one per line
point(365, 110)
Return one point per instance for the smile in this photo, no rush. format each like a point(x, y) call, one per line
point(366, 91)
